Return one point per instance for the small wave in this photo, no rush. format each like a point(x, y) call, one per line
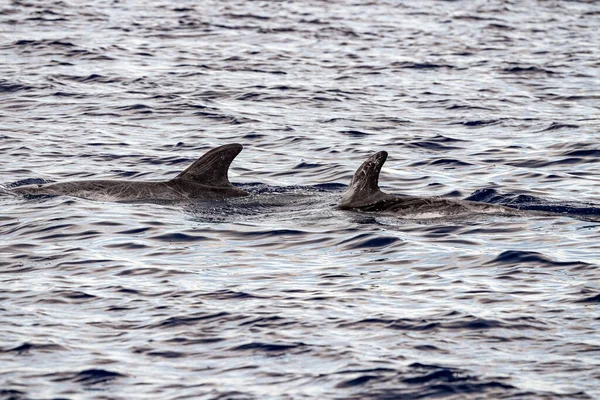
point(191, 320)
point(417, 65)
point(92, 78)
point(179, 237)
point(583, 153)
point(442, 374)
point(96, 376)
point(361, 380)
point(368, 241)
point(589, 299)
point(9, 87)
point(355, 133)
point(268, 347)
point(29, 347)
point(431, 145)
point(556, 126)
point(515, 257)
point(483, 122)
point(229, 295)
point(12, 394)
point(527, 70)
point(442, 161)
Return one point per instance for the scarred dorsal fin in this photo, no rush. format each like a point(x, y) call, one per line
point(364, 187)
point(211, 169)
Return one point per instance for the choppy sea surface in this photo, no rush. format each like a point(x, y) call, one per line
point(281, 295)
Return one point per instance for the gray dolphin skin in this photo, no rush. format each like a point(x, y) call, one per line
point(205, 179)
point(363, 194)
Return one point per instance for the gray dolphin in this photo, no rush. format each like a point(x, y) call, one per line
point(363, 194)
point(205, 179)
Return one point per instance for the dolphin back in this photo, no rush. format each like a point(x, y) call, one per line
point(211, 169)
point(364, 187)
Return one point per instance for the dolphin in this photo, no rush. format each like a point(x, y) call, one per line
point(205, 179)
point(364, 194)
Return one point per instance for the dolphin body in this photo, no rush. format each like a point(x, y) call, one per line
point(205, 179)
point(364, 194)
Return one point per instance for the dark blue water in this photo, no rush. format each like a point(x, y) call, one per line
point(280, 295)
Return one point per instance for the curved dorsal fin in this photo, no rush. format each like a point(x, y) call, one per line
point(364, 186)
point(212, 167)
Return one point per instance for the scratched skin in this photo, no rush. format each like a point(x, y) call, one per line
point(204, 179)
point(363, 194)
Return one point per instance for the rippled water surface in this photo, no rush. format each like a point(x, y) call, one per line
point(280, 294)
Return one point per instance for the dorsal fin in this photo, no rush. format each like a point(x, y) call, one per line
point(212, 167)
point(364, 186)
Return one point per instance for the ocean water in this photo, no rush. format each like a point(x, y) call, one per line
point(281, 295)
